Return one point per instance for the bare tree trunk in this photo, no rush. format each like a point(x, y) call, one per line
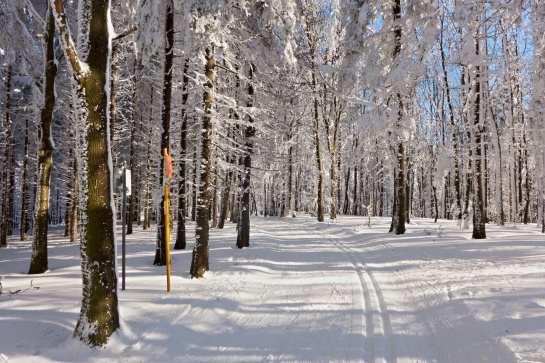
point(199, 261)
point(69, 187)
point(479, 211)
point(526, 215)
point(113, 75)
point(7, 138)
point(290, 172)
point(182, 198)
point(99, 315)
point(320, 191)
point(134, 176)
point(160, 252)
point(147, 206)
point(11, 195)
point(398, 217)
point(38, 262)
point(75, 197)
point(194, 189)
point(24, 195)
point(454, 135)
point(243, 236)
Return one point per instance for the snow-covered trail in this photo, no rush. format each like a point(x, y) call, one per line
point(422, 324)
point(303, 292)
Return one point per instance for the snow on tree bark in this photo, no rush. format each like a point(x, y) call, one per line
point(99, 316)
point(160, 252)
point(7, 138)
point(38, 263)
point(243, 235)
point(199, 260)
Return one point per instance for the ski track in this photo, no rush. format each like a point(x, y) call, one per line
point(379, 337)
point(441, 324)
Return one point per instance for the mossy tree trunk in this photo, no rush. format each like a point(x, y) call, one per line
point(99, 316)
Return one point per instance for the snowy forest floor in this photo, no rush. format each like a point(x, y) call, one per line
point(303, 292)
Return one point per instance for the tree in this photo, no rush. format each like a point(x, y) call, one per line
point(9, 124)
point(160, 252)
point(243, 235)
point(99, 316)
point(538, 103)
point(199, 260)
point(38, 263)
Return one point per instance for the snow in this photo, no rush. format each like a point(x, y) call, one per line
point(303, 292)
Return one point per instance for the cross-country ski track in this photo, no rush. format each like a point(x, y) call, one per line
point(303, 292)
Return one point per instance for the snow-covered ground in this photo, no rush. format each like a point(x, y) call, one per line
point(303, 292)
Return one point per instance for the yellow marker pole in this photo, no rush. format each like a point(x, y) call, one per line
point(167, 228)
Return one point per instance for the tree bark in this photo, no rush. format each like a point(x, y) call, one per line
point(38, 262)
point(99, 316)
point(7, 138)
point(199, 261)
point(182, 204)
point(133, 198)
point(147, 202)
point(24, 225)
point(11, 194)
point(479, 211)
point(398, 217)
point(320, 190)
point(75, 200)
point(243, 236)
point(160, 252)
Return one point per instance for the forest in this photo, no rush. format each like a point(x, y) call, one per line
point(400, 109)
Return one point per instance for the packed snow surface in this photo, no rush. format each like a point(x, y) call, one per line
point(303, 292)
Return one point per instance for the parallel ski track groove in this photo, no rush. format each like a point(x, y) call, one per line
point(379, 342)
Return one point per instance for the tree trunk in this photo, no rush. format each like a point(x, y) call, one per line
point(75, 199)
point(320, 191)
point(225, 200)
point(11, 188)
point(194, 189)
point(99, 316)
point(398, 217)
point(454, 135)
point(24, 224)
point(479, 211)
point(113, 75)
point(182, 204)
point(7, 138)
point(133, 198)
point(199, 261)
point(38, 262)
point(214, 207)
point(68, 204)
point(160, 252)
point(290, 173)
point(243, 236)
point(147, 206)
